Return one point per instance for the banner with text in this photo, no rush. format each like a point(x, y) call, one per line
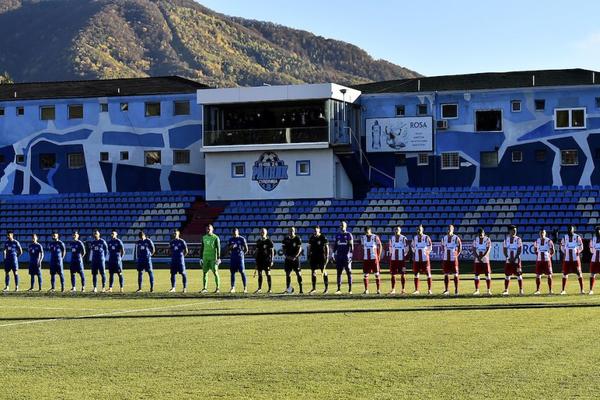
point(399, 134)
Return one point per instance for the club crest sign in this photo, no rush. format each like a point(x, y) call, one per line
point(269, 170)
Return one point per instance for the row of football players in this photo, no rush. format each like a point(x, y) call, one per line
point(401, 251)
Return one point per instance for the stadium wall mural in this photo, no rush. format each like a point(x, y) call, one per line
point(544, 136)
point(118, 148)
point(486, 137)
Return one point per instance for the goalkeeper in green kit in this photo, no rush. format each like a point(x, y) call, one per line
point(211, 258)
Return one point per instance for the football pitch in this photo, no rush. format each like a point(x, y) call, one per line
point(164, 345)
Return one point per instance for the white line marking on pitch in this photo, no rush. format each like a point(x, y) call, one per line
point(39, 321)
point(51, 308)
point(144, 309)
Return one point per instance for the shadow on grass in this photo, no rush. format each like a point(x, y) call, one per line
point(263, 296)
point(130, 314)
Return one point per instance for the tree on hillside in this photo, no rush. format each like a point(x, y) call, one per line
point(5, 78)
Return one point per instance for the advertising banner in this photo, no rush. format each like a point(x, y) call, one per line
point(399, 134)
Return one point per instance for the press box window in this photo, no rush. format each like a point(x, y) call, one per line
point(515, 106)
point(124, 107)
point(47, 113)
point(20, 111)
point(303, 168)
point(449, 111)
point(103, 107)
point(597, 102)
point(489, 159)
point(76, 160)
point(488, 121)
point(238, 170)
point(1, 111)
point(400, 110)
point(152, 109)
point(517, 156)
point(103, 156)
point(124, 155)
point(540, 155)
point(569, 157)
point(422, 159)
point(450, 160)
point(181, 157)
point(421, 109)
point(540, 104)
point(47, 161)
point(569, 118)
point(152, 157)
point(181, 107)
point(75, 111)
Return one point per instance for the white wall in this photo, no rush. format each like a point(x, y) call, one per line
point(321, 183)
point(344, 189)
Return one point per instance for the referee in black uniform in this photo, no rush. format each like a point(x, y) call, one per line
point(318, 254)
point(263, 255)
point(292, 248)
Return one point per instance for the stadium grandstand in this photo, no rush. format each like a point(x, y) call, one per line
point(157, 213)
point(492, 208)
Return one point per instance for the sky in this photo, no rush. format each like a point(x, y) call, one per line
point(438, 37)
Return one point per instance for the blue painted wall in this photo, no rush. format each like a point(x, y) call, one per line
point(527, 131)
point(114, 132)
point(61, 176)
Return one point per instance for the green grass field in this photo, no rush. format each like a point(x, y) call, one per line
point(128, 346)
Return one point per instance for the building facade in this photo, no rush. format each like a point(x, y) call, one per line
point(290, 141)
point(100, 136)
point(526, 128)
point(520, 128)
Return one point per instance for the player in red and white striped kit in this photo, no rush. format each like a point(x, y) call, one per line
point(512, 248)
point(399, 250)
point(544, 250)
point(482, 245)
point(595, 263)
point(571, 247)
point(372, 250)
point(421, 247)
point(451, 248)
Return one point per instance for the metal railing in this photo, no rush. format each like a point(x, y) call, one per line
point(364, 160)
point(236, 137)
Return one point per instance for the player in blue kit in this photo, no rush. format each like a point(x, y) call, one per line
point(36, 255)
point(57, 251)
point(237, 251)
point(11, 253)
point(116, 251)
point(144, 250)
point(179, 250)
point(342, 249)
point(76, 267)
point(98, 253)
